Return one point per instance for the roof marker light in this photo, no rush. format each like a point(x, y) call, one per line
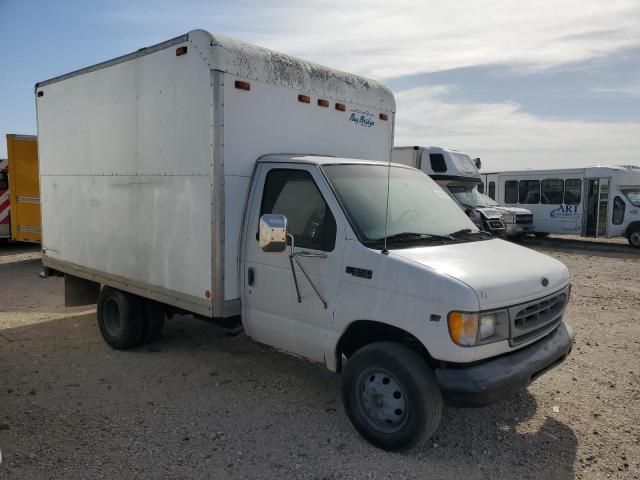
point(304, 98)
point(384, 116)
point(323, 103)
point(181, 51)
point(243, 85)
point(341, 106)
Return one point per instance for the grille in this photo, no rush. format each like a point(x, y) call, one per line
point(496, 225)
point(537, 318)
point(524, 219)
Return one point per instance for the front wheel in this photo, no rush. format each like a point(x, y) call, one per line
point(633, 237)
point(391, 396)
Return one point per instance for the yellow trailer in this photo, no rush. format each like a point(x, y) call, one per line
point(24, 187)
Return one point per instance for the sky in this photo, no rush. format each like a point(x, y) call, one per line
point(544, 84)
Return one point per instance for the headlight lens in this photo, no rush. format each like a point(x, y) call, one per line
point(469, 328)
point(487, 326)
point(463, 328)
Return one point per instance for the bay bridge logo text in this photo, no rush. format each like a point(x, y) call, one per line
point(564, 211)
point(362, 119)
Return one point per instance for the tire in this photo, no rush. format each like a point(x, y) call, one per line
point(120, 318)
point(391, 396)
point(541, 234)
point(633, 236)
point(154, 317)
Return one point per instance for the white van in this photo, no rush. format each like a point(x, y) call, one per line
point(600, 201)
point(174, 197)
point(459, 175)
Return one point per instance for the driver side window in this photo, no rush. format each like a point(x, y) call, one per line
point(293, 193)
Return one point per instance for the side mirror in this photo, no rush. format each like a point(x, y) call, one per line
point(478, 163)
point(273, 233)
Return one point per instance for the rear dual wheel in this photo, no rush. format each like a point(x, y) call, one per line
point(126, 320)
point(391, 396)
point(633, 237)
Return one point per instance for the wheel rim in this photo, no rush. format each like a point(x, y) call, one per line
point(635, 239)
point(382, 400)
point(111, 317)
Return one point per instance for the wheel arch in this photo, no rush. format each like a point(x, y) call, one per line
point(631, 227)
point(364, 332)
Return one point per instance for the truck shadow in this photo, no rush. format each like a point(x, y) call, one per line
point(246, 397)
point(586, 246)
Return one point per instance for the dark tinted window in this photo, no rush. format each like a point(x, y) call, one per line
point(618, 211)
point(4, 184)
point(438, 164)
point(294, 194)
point(552, 192)
point(511, 191)
point(529, 191)
point(492, 190)
point(572, 191)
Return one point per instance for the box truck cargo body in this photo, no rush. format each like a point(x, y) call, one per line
point(210, 176)
point(146, 159)
point(24, 189)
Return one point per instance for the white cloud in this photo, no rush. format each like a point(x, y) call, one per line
point(623, 90)
point(506, 138)
point(386, 39)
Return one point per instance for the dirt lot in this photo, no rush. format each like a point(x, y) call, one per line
point(202, 404)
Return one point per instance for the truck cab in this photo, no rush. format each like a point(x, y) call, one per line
point(459, 175)
point(325, 276)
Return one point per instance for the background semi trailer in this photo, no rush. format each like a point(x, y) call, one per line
point(169, 185)
point(24, 189)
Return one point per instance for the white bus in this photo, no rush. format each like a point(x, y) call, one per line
point(600, 201)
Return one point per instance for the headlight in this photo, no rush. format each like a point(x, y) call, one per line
point(469, 328)
point(487, 326)
point(508, 218)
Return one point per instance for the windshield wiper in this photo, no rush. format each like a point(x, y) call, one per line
point(412, 237)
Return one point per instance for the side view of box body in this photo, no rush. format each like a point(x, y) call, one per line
point(146, 159)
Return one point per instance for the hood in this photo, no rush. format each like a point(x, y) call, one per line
point(513, 210)
point(489, 212)
point(501, 273)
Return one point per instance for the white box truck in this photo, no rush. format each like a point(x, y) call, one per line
point(459, 174)
point(208, 176)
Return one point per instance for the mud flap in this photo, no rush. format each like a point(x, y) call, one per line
point(78, 291)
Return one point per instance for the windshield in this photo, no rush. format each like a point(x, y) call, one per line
point(471, 196)
point(633, 196)
point(417, 205)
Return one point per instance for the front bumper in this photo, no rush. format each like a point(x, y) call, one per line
point(494, 379)
point(514, 229)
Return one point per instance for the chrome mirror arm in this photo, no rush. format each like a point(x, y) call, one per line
point(295, 256)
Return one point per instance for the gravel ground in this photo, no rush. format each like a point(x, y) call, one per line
point(200, 403)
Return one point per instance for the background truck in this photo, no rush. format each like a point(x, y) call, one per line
point(459, 174)
point(24, 190)
point(182, 192)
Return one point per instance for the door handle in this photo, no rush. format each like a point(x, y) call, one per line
point(251, 276)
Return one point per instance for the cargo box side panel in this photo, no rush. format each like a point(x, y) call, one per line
point(270, 118)
point(125, 164)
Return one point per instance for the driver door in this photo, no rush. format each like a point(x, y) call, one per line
point(272, 313)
